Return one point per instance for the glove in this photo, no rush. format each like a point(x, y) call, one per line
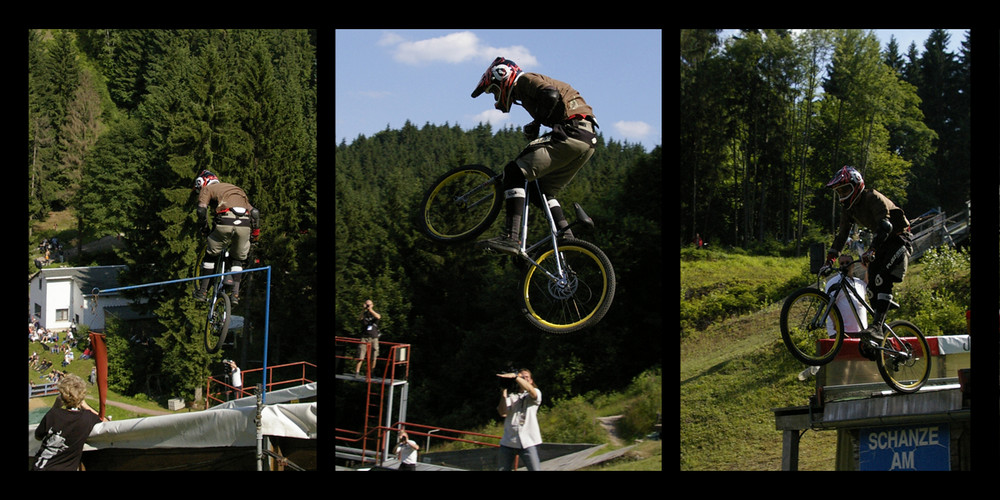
point(531, 131)
point(254, 235)
point(206, 230)
point(831, 258)
point(868, 257)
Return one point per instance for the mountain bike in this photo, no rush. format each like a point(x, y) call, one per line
point(569, 283)
point(809, 315)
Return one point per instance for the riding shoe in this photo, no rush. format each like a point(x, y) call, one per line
point(503, 244)
point(872, 334)
point(200, 295)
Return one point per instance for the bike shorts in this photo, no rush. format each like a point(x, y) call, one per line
point(232, 233)
point(554, 161)
point(890, 264)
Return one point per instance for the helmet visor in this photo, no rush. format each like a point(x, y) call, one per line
point(844, 191)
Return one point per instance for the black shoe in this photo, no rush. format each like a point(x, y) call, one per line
point(199, 295)
point(503, 244)
point(872, 334)
point(234, 299)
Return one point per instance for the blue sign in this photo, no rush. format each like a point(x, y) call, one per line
point(916, 447)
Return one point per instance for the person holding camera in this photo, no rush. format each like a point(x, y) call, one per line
point(369, 335)
point(65, 428)
point(235, 377)
point(406, 450)
point(521, 434)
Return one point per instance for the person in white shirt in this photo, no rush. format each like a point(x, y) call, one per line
point(236, 378)
point(521, 434)
point(851, 325)
point(407, 450)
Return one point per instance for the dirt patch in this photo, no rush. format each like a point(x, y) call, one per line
point(609, 424)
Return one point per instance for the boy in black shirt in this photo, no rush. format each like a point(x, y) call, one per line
point(63, 431)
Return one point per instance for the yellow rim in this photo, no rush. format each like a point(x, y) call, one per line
point(527, 286)
point(433, 196)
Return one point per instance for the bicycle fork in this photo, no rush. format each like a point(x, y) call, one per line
point(523, 231)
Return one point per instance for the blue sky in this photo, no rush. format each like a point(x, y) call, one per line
point(386, 77)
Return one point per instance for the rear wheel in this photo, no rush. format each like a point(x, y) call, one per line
point(904, 360)
point(461, 204)
point(803, 327)
point(574, 299)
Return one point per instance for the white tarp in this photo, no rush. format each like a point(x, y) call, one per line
point(954, 344)
point(216, 427)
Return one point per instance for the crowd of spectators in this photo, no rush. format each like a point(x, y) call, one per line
point(49, 341)
point(50, 249)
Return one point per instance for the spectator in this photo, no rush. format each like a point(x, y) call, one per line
point(65, 428)
point(521, 434)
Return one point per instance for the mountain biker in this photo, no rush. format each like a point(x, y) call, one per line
point(888, 254)
point(237, 225)
point(553, 159)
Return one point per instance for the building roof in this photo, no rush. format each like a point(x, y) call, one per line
point(87, 278)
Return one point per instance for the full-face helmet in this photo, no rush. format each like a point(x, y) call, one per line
point(204, 178)
point(499, 80)
point(848, 185)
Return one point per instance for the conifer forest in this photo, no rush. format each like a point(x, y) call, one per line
point(768, 116)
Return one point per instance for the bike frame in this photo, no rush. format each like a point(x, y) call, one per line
point(553, 232)
point(854, 310)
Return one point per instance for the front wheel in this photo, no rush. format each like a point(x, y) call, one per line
point(461, 204)
point(217, 325)
point(804, 325)
point(904, 359)
point(574, 298)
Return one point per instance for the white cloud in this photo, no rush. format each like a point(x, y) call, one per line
point(459, 47)
point(632, 130)
point(494, 117)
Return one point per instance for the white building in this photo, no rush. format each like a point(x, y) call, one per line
point(62, 295)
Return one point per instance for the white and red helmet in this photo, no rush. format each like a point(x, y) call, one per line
point(848, 185)
point(499, 80)
point(204, 178)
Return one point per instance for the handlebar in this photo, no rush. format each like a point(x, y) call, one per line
point(827, 269)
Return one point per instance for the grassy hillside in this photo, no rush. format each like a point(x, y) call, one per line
point(734, 366)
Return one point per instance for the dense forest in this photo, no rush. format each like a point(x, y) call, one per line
point(457, 305)
point(120, 121)
point(768, 117)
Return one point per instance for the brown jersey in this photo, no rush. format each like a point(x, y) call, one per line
point(869, 209)
point(528, 91)
point(224, 195)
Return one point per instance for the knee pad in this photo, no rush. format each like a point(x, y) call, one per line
point(512, 176)
point(513, 193)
